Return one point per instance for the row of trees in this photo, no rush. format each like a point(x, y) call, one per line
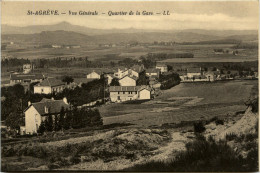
point(75, 118)
point(169, 80)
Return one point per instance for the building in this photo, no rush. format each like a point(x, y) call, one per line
point(49, 85)
point(94, 75)
point(121, 72)
point(109, 78)
point(144, 93)
point(126, 93)
point(210, 75)
point(27, 68)
point(36, 113)
point(152, 72)
point(162, 67)
point(128, 81)
point(136, 70)
point(25, 78)
point(192, 72)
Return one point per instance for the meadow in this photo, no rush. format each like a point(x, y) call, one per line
point(185, 102)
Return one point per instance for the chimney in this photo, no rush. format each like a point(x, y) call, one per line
point(65, 100)
point(46, 109)
point(29, 103)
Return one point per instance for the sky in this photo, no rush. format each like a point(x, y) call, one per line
point(217, 15)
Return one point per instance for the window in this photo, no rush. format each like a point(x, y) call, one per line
point(123, 92)
point(42, 90)
point(118, 92)
point(136, 92)
point(129, 92)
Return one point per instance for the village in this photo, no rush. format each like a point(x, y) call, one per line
point(121, 84)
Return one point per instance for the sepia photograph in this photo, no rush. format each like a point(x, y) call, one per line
point(134, 86)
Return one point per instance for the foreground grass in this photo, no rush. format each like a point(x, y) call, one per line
point(207, 156)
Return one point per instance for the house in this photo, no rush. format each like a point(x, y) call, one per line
point(109, 78)
point(56, 46)
point(144, 93)
point(37, 112)
point(210, 75)
point(121, 72)
point(162, 67)
point(49, 85)
point(27, 68)
point(128, 81)
point(136, 70)
point(126, 93)
point(152, 72)
point(191, 72)
point(94, 75)
point(25, 78)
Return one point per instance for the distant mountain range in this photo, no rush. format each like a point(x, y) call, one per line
point(66, 33)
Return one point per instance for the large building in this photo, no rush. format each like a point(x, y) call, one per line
point(49, 85)
point(126, 93)
point(36, 113)
point(27, 68)
point(25, 78)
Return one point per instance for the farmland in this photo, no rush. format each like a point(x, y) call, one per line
point(202, 53)
point(185, 102)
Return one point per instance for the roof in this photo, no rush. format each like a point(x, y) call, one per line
point(137, 68)
point(128, 88)
point(31, 76)
point(51, 82)
point(82, 80)
point(99, 72)
point(124, 88)
point(194, 70)
point(54, 106)
point(161, 65)
point(152, 70)
point(132, 77)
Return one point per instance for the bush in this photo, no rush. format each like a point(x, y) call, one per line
point(202, 155)
point(199, 127)
point(218, 122)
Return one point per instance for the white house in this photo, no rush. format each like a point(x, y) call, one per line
point(191, 72)
point(136, 70)
point(144, 93)
point(49, 85)
point(162, 67)
point(25, 78)
point(94, 75)
point(27, 68)
point(36, 113)
point(152, 72)
point(126, 93)
point(109, 78)
point(127, 81)
point(121, 72)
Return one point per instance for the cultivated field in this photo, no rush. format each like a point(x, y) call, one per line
point(202, 53)
point(185, 102)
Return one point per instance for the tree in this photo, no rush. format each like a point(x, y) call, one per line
point(49, 123)
point(14, 120)
point(67, 79)
point(62, 116)
point(114, 82)
point(42, 127)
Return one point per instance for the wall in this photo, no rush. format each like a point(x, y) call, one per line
point(124, 96)
point(38, 89)
point(32, 119)
point(93, 75)
point(144, 94)
point(127, 81)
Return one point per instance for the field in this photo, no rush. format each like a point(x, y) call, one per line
point(185, 102)
point(202, 53)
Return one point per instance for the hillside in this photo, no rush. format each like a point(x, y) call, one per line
point(70, 37)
